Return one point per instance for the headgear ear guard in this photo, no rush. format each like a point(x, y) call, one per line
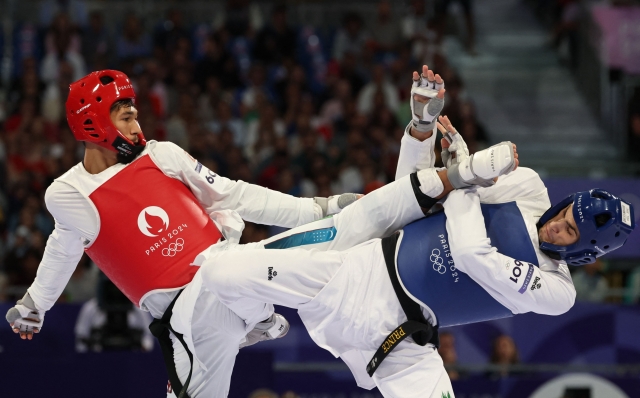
point(88, 110)
point(603, 220)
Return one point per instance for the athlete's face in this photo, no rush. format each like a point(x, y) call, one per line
point(126, 121)
point(561, 230)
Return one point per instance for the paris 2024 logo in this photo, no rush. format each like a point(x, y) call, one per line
point(153, 222)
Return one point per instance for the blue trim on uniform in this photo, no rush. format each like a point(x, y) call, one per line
point(304, 238)
point(527, 280)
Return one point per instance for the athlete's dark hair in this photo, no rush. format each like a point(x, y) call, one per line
point(123, 103)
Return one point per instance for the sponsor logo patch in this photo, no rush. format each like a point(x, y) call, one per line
point(271, 274)
point(82, 109)
point(626, 213)
point(535, 285)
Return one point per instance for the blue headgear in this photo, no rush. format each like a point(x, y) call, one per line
point(604, 222)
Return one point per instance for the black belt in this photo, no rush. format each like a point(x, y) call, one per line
point(160, 328)
point(416, 326)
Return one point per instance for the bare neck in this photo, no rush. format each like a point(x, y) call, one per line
point(98, 159)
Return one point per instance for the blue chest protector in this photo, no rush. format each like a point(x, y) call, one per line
point(427, 270)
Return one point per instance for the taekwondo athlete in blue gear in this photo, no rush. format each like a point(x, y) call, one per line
point(455, 298)
point(347, 301)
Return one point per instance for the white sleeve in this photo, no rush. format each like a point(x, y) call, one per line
point(61, 255)
point(415, 154)
point(64, 248)
point(521, 184)
point(216, 193)
point(518, 285)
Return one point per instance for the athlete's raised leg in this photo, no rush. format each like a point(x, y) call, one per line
point(244, 280)
point(375, 215)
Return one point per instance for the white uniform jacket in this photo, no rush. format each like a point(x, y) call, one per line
point(227, 202)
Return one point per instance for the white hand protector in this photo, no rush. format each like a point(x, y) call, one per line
point(457, 150)
point(425, 106)
point(24, 316)
point(482, 167)
point(334, 204)
point(276, 327)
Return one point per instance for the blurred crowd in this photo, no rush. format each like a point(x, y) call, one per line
point(305, 110)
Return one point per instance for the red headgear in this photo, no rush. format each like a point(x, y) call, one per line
point(88, 110)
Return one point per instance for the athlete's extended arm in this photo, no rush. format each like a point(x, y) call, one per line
point(217, 194)
point(517, 285)
point(417, 147)
point(61, 255)
point(75, 222)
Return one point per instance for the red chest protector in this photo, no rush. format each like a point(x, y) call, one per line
point(151, 229)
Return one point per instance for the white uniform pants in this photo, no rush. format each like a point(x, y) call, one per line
point(347, 304)
point(217, 333)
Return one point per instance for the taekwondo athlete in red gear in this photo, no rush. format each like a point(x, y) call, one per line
point(144, 211)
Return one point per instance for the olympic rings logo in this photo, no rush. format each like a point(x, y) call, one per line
point(173, 248)
point(438, 262)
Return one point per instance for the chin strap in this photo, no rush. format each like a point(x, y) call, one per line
point(126, 152)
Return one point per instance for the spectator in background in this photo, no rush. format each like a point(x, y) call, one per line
point(447, 351)
point(351, 38)
point(378, 86)
point(590, 283)
point(385, 30)
point(55, 94)
point(96, 44)
point(290, 394)
point(471, 130)
point(262, 134)
point(441, 9)
point(239, 17)
point(178, 124)
point(505, 353)
point(225, 120)
point(453, 101)
point(634, 127)
point(20, 270)
point(76, 9)
point(277, 40)
point(171, 32)
point(110, 322)
point(26, 85)
point(255, 92)
point(565, 30)
point(62, 43)
point(218, 63)
point(632, 293)
point(416, 30)
point(133, 42)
